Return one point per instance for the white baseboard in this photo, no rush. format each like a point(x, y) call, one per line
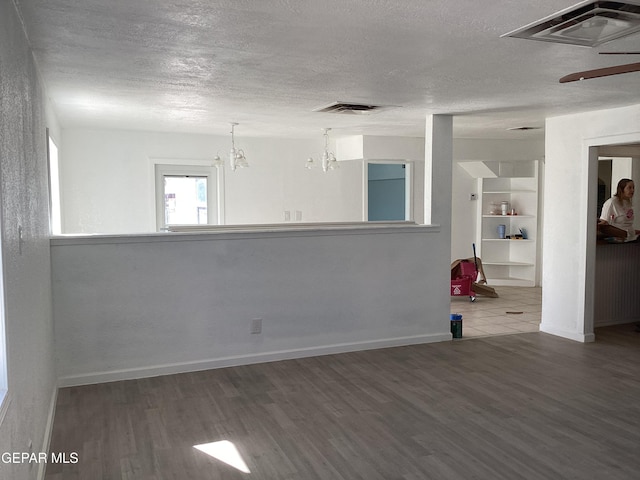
point(46, 442)
point(577, 336)
point(236, 360)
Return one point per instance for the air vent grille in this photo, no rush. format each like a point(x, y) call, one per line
point(589, 23)
point(349, 108)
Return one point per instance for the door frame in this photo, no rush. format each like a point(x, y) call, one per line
point(408, 187)
point(177, 167)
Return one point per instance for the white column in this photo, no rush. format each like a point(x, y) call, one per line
point(437, 201)
point(438, 171)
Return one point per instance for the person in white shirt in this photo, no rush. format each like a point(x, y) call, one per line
point(618, 210)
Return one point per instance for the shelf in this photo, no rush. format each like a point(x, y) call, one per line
point(508, 192)
point(517, 186)
point(509, 281)
point(524, 240)
point(508, 264)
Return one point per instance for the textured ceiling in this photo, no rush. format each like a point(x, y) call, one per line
point(196, 65)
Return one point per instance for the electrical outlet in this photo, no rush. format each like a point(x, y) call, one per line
point(298, 215)
point(287, 215)
point(256, 326)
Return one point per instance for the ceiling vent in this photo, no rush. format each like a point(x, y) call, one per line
point(349, 108)
point(590, 23)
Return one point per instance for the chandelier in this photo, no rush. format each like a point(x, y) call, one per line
point(328, 161)
point(236, 155)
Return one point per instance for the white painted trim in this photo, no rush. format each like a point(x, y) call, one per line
point(195, 162)
point(579, 337)
point(213, 232)
point(56, 209)
point(183, 162)
point(589, 274)
point(207, 171)
point(48, 431)
point(221, 204)
point(365, 192)
point(237, 360)
point(590, 152)
point(409, 190)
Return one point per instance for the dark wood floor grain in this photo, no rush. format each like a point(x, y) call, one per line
point(527, 406)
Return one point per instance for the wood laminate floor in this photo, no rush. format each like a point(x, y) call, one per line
point(523, 406)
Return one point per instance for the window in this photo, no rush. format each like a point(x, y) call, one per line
point(185, 200)
point(55, 217)
point(186, 195)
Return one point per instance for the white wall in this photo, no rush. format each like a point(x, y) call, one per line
point(107, 182)
point(464, 211)
point(134, 306)
point(131, 306)
point(569, 231)
point(27, 274)
point(380, 149)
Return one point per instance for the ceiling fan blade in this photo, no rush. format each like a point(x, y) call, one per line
point(601, 72)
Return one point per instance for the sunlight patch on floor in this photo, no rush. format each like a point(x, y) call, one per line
point(226, 452)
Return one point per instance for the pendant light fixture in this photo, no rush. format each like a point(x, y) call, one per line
point(236, 155)
point(328, 161)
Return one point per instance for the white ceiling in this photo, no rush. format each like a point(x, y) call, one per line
point(196, 65)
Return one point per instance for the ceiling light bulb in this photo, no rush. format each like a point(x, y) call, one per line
point(333, 163)
point(217, 161)
point(232, 159)
point(236, 156)
point(241, 160)
point(310, 163)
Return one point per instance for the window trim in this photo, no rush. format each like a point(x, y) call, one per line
point(55, 194)
point(200, 168)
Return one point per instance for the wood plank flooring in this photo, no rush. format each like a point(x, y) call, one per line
point(525, 406)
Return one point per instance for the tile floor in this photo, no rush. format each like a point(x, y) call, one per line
point(490, 316)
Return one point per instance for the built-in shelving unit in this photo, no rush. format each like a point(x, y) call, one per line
point(508, 261)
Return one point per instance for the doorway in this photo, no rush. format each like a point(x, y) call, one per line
point(615, 281)
point(388, 191)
